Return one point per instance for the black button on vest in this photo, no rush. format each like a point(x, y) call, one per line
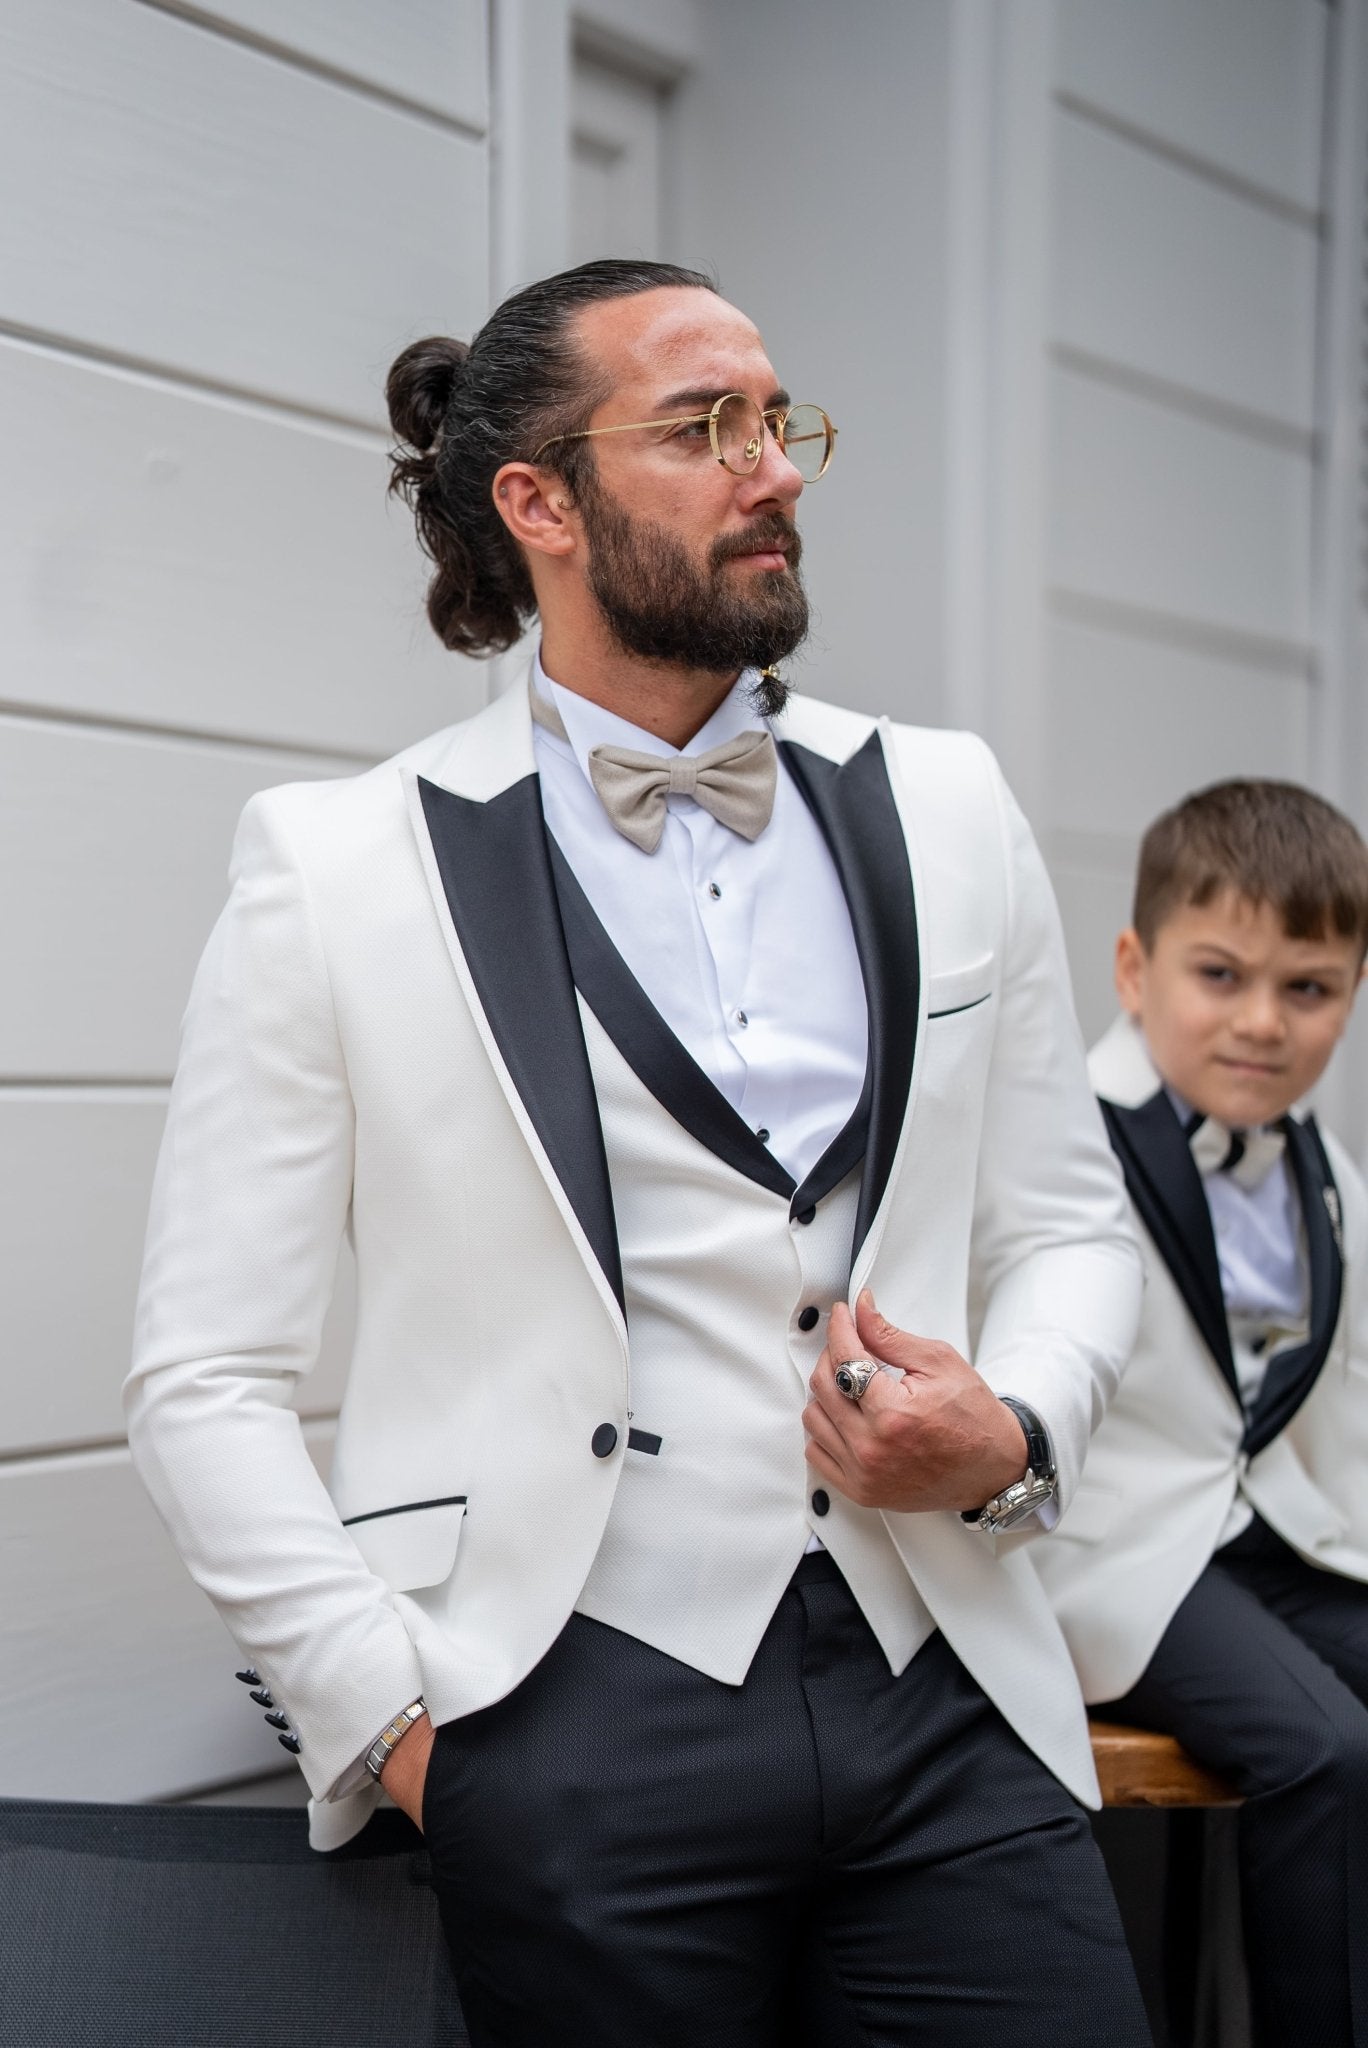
point(807, 1319)
point(603, 1442)
point(821, 1501)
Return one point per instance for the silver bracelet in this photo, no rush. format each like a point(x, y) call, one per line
point(382, 1748)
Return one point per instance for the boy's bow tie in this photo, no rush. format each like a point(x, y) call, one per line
point(1248, 1156)
point(735, 782)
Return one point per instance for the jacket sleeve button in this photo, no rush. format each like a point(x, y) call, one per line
point(821, 1501)
point(290, 1742)
point(603, 1442)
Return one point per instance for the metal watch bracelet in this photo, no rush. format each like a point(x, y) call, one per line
point(381, 1750)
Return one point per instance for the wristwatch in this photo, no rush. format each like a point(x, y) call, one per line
point(1016, 1502)
point(384, 1744)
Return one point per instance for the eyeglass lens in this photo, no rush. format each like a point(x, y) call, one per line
point(805, 437)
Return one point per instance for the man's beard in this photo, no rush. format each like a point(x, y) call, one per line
point(660, 605)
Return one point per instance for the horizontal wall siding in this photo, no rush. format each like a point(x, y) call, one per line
point(1187, 719)
point(202, 565)
point(123, 844)
point(111, 1650)
point(1232, 83)
point(207, 207)
point(1177, 279)
point(427, 52)
point(73, 1205)
point(1156, 509)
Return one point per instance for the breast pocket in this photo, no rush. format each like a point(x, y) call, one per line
point(411, 1545)
point(959, 988)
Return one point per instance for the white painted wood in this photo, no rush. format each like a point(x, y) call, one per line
point(1181, 279)
point(1236, 83)
point(73, 1207)
point(529, 202)
point(1094, 900)
point(109, 1650)
point(1136, 725)
point(615, 169)
point(120, 848)
point(178, 560)
point(1153, 508)
point(209, 208)
point(661, 39)
point(431, 52)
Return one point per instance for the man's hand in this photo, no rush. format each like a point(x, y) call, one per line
point(937, 1438)
point(406, 1769)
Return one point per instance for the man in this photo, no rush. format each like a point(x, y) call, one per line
point(630, 1048)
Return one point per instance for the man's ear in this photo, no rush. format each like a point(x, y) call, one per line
point(536, 508)
point(1128, 970)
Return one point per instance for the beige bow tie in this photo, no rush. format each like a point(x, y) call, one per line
point(735, 782)
point(1247, 1156)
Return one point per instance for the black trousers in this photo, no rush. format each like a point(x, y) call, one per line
point(1263, 1674)
point(628, 1854)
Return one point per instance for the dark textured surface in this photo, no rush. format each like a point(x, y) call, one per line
point(182, 1927)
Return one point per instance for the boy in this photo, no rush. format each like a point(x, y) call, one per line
point(1210, 1572)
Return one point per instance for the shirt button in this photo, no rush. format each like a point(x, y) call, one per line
point(807, 1319)
point(763, 1135)
point(821, 1501)
point(742, 1020)
point(714, 891)
point(806, 1215)
point(603, 1442)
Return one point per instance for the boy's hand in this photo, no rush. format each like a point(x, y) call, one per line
point(937, 1438)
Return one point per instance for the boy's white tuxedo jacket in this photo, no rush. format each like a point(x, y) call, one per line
point(383, 1039)
point(1164, 1467)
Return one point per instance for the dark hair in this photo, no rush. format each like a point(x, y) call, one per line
point(462, 410)
point(1271, 842)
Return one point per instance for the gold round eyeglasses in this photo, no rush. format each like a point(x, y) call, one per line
point(736, 429)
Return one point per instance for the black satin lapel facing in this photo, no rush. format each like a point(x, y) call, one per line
point(653, 1052)
point(495, 870)
point(854, 805)
point(1166, 1188)
point(1292, 1373)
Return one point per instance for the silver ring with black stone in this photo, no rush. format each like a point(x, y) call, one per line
point(853, 1377)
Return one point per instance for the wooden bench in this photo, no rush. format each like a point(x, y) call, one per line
point(1136, 1767)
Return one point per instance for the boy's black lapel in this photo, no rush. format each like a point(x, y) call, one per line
point(496, 874)
point(853, 803)
point(1166, 1188)
point(1292, 1373)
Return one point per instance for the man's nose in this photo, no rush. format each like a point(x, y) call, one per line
point(774, 480)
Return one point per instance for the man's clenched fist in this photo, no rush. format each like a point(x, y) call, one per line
point(937, 1438)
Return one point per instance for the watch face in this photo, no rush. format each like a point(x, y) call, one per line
point(1030, 1494)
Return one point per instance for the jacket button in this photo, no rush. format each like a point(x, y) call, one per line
point(290, 1742)
point(276, 1719)
point(807, 1319)
point(821, 1501)
point(603, 1442)
point(261, 1696)
point(248, 1677)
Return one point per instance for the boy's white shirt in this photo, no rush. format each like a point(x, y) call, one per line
point(1166, 1479)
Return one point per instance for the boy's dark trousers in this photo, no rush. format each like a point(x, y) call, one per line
point(1263, 1674)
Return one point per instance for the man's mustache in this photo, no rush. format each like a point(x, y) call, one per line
point(770, 531)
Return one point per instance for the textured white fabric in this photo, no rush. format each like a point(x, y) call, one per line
point(338, 1072)
point(1167, 1479)
point(744, 946)
point(723, 1511)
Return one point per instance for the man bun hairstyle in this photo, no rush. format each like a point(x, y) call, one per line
point(1270, 842)
point(460, 411)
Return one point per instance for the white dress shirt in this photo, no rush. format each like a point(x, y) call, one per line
point(745, 947)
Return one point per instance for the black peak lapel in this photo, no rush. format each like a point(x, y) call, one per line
point(496, 873)
point(1166, 1188)
point(653, 1052)
point(1292, 1373)
point(853, 803)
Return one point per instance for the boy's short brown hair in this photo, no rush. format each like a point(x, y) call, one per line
point(1270, 842)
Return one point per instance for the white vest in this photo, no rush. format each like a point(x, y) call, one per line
point(706, 1531)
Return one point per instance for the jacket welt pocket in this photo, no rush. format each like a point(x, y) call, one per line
point(411, 1545)
point(959, 988)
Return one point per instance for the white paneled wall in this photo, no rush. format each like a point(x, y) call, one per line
point(1181, 333)
point(224, 223)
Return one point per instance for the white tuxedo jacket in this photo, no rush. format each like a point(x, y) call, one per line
point(383, 1038)
point(1176, 1445)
